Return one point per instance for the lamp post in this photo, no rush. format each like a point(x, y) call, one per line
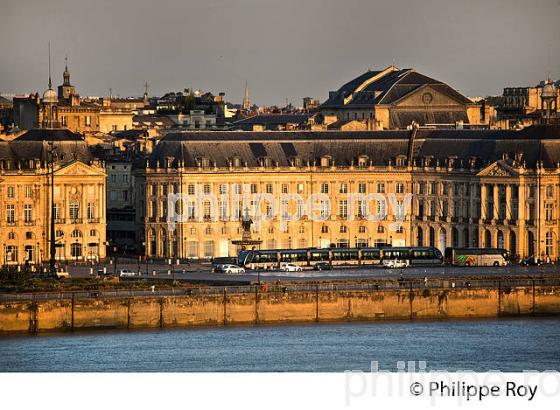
point(52, 248)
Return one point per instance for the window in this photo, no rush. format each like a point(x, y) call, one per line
point(223, 189)
point(549, 212)
point(549, 244)
point(76, 233)
point(90, 210)
point(253, 188)
point(56, 215)
point(74, 210)
point(12, 236)
point(324, 229)
point(190, 189)
point(87, 120)
point(380, 229)
point(324, 188)
point(206, 188)
point(269, 188)
point(300, 188)
point(380, 188)
point(362, 229)
point(27, 213)
point(93, 232)
point(433, 188)
point(113, 178)
point(113, 195)
point(549, 191)
point(343, 209)
point(343, 188)
point(284, 188)
point(11, 192)
point(400, 188)
point(28, 235)
point(10, 214)
point(343, 229)
point(28, 191)
point(362, 188)
point(125, 178)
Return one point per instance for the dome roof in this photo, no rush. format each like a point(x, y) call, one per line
point(50, 96)
point(549, 90)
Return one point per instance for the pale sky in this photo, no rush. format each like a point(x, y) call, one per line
point(283, 48)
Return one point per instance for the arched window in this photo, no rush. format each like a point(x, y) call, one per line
point(487, 239)
point(76, 233)
point(501, 243)
point(549, 243)
point(420, 237)
point(324, 229)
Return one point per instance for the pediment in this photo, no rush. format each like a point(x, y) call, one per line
point(78, 168)
point(498, 169)
point(426, 96)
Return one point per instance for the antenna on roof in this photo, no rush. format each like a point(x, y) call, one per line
point(50, 82)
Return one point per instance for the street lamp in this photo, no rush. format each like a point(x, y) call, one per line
point(51, 158)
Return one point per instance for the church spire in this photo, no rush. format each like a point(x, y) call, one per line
point(66, 74)
point(246, 101)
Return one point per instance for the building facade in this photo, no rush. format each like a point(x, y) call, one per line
point(395, 98)
point(468, 188)
point(25, 199)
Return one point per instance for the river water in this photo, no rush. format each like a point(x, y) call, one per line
point(481, 345)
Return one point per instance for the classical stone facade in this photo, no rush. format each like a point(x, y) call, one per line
point(25, 199)
point(469, 188)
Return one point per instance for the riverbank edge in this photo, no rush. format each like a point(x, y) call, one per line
point(258, 307)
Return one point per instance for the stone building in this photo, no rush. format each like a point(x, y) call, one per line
point(396, 98)
point(69, 111)
point(487, 188)
point(25, 198)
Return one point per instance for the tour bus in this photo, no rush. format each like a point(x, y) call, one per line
point(476, 257)
point(271, 259)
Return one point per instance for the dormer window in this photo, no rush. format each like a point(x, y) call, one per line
point(203, 162)
point(236, 162)
point(326, 161)
point(428, 161)
point(296, 162)
point(400, 161)
point(363, 161)
point(265, 162)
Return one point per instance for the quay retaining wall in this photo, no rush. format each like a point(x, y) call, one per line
point(256, 307)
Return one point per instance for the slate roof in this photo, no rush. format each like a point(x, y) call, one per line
point(388, 89)
point(34, 144)
point(269, 120)
point(536, 143)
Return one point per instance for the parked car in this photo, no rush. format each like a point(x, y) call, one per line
point(322, 266)
point(530, 261)
point(290, 267)
point(395, 263)
point(125, 273)
point(231, 269)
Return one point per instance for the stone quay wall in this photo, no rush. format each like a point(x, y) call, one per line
point(269, 307)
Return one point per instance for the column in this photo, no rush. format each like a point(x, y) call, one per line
point(521, 208)
point(483, 203)
point(496, 204)
point(508, 202)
